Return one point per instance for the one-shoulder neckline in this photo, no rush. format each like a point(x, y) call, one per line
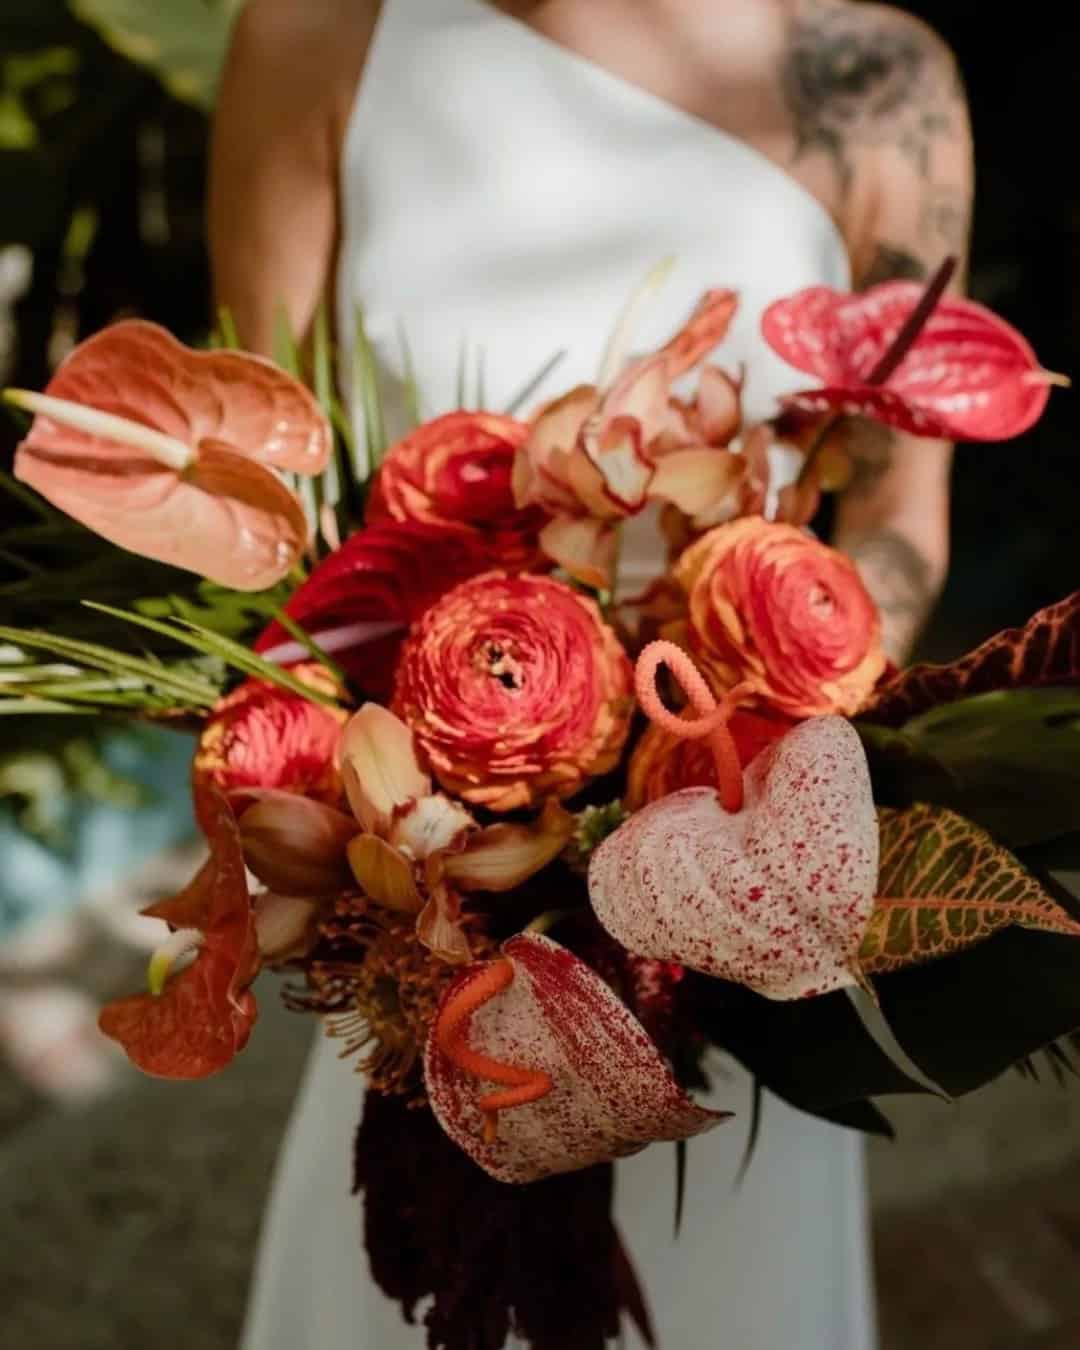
point(677, 114)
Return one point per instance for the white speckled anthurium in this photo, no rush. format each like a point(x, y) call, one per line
point(581, 1081)
point(776, 895)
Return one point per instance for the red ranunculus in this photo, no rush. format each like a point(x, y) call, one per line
point(515, 690)
point(263, 736)
point(457, 471)
point(771, 607)
point(359, 603)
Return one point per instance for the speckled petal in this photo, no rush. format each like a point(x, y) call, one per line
point(613, 1093)
point(776, 897)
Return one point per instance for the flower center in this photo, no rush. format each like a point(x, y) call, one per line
point(820, 602)
point(502, 666)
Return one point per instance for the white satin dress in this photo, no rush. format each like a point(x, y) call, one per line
point(503, 197)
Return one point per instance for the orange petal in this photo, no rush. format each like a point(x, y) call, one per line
point(584, 547)
point(704, 330)
point(719, 405)
point(503, 856)
point(379, 767)
point(640, 393)
point(226, 518)
point(440, 929)
point(616, 450)
point(384, 874)
point(285, 926)
point(699, 481)
point(295, 845)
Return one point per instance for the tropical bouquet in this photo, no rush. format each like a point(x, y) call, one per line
point(530, 848)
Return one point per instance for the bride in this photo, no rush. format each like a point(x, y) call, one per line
point(490, 180)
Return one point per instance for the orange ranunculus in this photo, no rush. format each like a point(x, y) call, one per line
point(456, 471)
point(774, 608)
point(515, 689)
point(263, 736)
point(663, 763)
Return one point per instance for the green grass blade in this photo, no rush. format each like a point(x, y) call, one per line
point(306, 641)
point(285, 351)
point(32, 706)
point(367, 395)
point(481, 390)
point(230, 338)
point(526, 392)
point(462, 373)
point(410, 388)
point(209, 643)
point(30, 500)
point(187, 687)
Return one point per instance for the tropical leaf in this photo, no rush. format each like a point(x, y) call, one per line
point(1045, 651)
point(183, 41)
point(1009, 761)
point(945, 884)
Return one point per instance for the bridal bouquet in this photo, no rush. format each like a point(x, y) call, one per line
point(531, 850)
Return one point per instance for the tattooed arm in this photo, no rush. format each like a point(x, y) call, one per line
point(876, 96)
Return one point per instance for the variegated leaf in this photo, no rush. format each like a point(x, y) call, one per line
point(1045, 651)
point(943, 885)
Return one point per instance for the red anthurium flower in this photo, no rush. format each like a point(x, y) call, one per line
point(359, 603)
point(967, 376)
point(772, 887)
point(194, 1022)
point(172, 453)
point(535, 1067)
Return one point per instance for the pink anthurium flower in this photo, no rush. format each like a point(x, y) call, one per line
point(418, 850)
point(601, 453)
point(967, 376)
point(173, 453)
point(534, 1066)
point(772, 887)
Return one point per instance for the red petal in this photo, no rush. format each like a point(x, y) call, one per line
point(1045, 651)
point(776, 896)
point(968, 376)
point(226, 518)
point(703, 331)
point(204, 1015)
point(612, 1093)
point(359, 602)
point(137, 370)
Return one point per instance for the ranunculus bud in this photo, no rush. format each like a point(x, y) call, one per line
point(516, 690)
point(456, 471)
point(771, 607)
point(263, 736)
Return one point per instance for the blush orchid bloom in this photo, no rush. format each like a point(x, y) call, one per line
point(174, 454)
point(576, 1078)
point(770, 881)
point(419, 851)
point(603, 452)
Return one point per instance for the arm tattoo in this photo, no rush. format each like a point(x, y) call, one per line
point(869, 445)
point(899, 579)
point(893, 264)
point(851, 82)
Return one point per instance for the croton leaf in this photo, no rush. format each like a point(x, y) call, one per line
point(1046, 650)
point(945, 884)
point(1009, 761)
